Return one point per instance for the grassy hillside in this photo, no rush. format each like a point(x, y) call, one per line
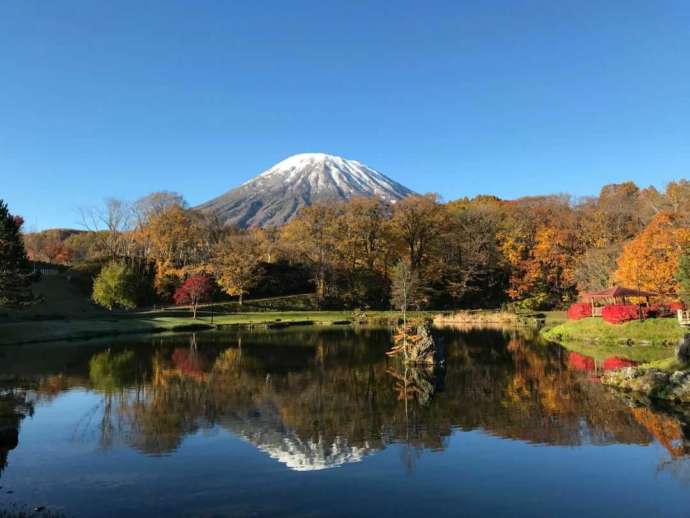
point(61, 297)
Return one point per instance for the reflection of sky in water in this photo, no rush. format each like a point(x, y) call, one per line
point(251, 460)
point(215, 470)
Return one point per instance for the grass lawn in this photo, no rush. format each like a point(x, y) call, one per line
point(669, 365)
point(655, 331)
point(554, 318)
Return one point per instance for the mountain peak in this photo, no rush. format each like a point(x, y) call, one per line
point(302, 160)
point(276, 195)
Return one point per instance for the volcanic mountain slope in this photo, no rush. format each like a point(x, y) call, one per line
point(276, 195)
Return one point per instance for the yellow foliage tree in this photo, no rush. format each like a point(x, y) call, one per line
point(651, 259)
point(237, 265)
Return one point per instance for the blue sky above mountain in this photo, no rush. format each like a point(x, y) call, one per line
point(510, 98)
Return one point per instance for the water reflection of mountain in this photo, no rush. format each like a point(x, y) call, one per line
point(322, 398)
point(266, 431)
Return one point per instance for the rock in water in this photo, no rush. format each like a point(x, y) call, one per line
point(683, 350)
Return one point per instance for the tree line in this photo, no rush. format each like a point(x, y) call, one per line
point(534, 252)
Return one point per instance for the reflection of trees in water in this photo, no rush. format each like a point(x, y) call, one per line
point(14, 406)
point(333, 396)
point(417, 382)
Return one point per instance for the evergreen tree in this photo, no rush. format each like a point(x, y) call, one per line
point(15, 270)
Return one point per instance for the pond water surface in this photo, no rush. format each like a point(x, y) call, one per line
point(318, 421)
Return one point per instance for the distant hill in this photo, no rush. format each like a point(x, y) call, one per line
point(276, 195)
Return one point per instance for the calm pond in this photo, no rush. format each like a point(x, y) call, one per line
point(318, 421)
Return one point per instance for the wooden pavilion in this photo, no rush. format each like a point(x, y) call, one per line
point(614, 295)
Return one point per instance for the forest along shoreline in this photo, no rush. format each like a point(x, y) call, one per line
point(524, 256)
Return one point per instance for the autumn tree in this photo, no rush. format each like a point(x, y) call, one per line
point(194, 291)
point(49, 245)
point(236, 265)
point(539, 238)
point(683, 277)
point(675, 199)
point(110, 221)
point(155, 204)
point(471, 260)
point(596, 266)
point(15, 283)
point(619, 212)
point(366, 233)
point(650, 261)
point(180, 243)
point(310, 238)
point(115, 286)
point(363, 250)
point(84, 247)
point(406, 290)
point(678, 200)
point(418, 225)
point(269, 245)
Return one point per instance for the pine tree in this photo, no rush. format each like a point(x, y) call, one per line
point(15, 270)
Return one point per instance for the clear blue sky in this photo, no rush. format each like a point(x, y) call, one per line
point(513, 98)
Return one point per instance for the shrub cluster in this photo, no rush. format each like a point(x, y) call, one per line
point(619, 313)
point(665, 309)
point(579, 310)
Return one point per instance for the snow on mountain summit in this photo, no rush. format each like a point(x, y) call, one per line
point(276, 195)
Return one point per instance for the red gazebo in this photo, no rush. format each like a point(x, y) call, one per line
point(614, 295)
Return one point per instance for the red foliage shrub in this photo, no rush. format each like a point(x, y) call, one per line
point(579, 310)
point(665, 309)
point(619, 313)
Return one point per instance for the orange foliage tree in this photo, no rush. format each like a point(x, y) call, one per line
point(650, 260)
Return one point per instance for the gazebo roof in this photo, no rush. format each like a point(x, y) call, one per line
point(616, 292)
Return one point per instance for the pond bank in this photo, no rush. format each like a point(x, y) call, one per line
point(652, 382)
point(667, 379)
point(654, 332)
point(24, 332)
point(497, 318)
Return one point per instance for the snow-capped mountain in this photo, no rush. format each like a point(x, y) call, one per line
point(277, 194)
